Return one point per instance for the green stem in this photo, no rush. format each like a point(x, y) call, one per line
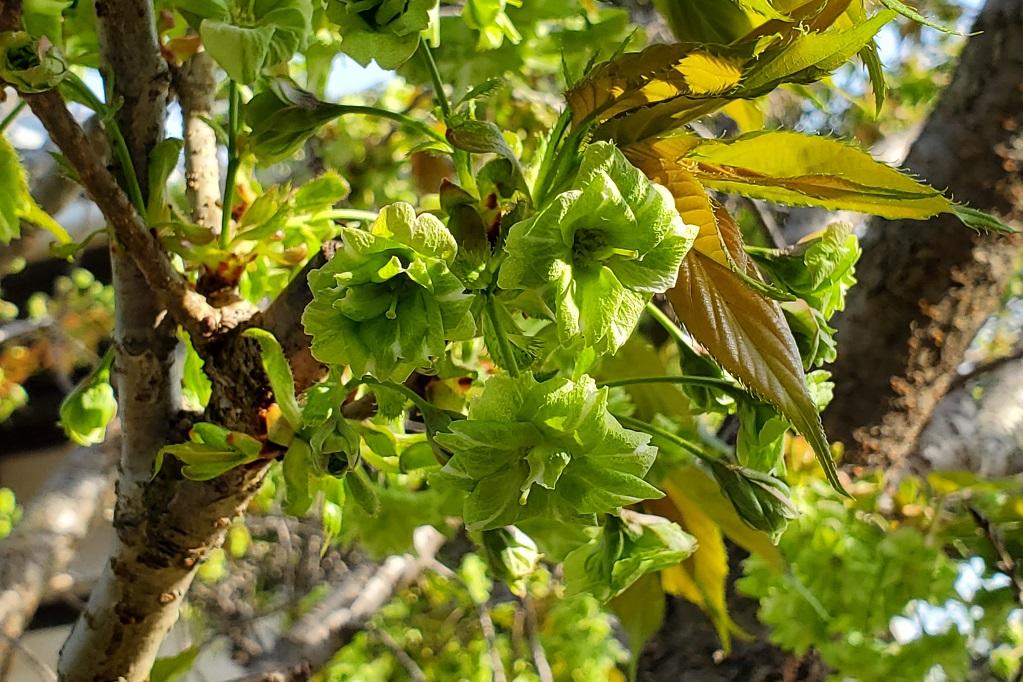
point(411, 395)
point(403, 119)
point(706, 382)
point(120, 147)
point(507, 349)
point(9, 118)
point(438, 84)
point(550, 154)
point(563, 164)
point(460, 157)
point(233, 162)
point(658, 432)
point(673, 331)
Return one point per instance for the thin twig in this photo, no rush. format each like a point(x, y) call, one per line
point(413, 669)
point(1006, 563)
point(490, 635)
point(45, 671)
point(986, 367)
point(187, 306)
point(543, 666)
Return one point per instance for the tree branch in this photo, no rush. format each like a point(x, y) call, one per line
point(196, 88)
point(188, 307)
point(1006, 563)
point(316, 637)
point(44, 542)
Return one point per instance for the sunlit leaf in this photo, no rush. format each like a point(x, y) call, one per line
point(279, 372)
point(702, 577)
point(691, 483)
point(16, 204)
point(748, 336)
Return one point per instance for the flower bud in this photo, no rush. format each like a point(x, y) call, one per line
point(760, 499)
point(29, 64)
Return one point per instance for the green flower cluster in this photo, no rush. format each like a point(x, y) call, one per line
point(531, 448)
point(600, 250)
point(386, 303)
point(29, 65)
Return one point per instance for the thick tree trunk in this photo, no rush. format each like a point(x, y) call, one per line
point(147, 387)
point(925, 288)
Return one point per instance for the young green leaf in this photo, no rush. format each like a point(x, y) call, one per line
point(810, 56)
point(296, 468)
point(279, 372)
point(380, 30)
point(527, 446)
point(362, 491)
point(30, 64)
point(162, 161)
point(910, 13)
point(240, 50)
point(211, 451)
point(387, 302)
point(173, 668)
point(598, 252)
point(16, 204)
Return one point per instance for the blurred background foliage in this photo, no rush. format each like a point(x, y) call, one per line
point(908, 581)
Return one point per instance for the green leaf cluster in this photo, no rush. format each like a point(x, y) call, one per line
point(86, 411)
point(29, 64)
point(211, 451)
point(245, 37)
point(847, 575)
point(628, 547)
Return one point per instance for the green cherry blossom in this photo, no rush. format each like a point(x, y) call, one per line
point(387, 303)
point(600, 250)
point(550, 448)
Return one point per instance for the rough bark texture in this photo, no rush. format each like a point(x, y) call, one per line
point(978, 431)
point(44, 542)
point(925, 288)
point(147, 387)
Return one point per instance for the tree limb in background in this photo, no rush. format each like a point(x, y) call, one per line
point(314, 639)
point(981, 433)
point(925, 289)
point(55, 521)
point(196, 87)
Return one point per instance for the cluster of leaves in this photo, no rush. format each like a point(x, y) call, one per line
point(852, 570)
point(530, 273)
point(481, 346)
